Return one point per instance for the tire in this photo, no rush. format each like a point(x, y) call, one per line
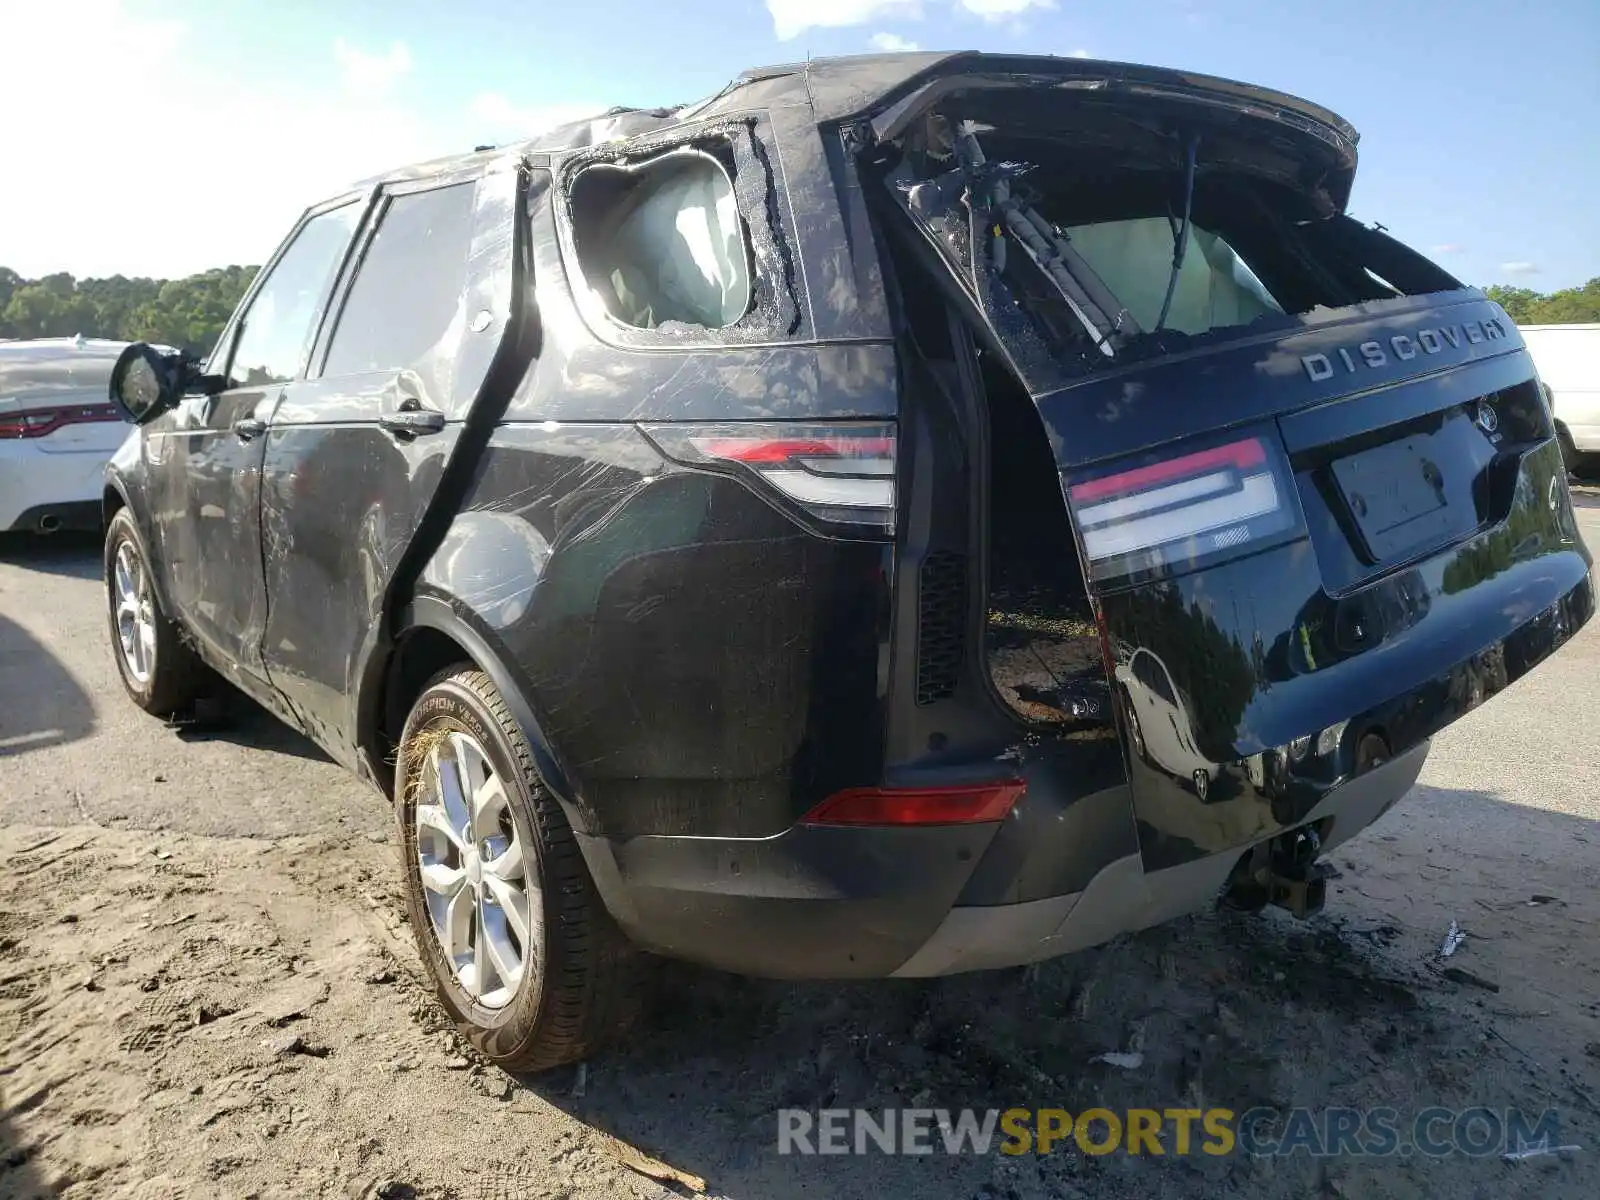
point(1569, 452)
point(165, 676)
point(580, 987)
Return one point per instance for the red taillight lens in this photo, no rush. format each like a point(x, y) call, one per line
point(960, 805)
point(41, 422)
point(1176, 512)
point(781, 450)
point(841, 473)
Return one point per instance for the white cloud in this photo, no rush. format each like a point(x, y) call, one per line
point(791, 18)
point(1448, 248)
point(1080, 53)
point(503, 121)
point(1001, 10)
point(368, 74)
point(1520, 267)
point(892, 43)
point(95, 198)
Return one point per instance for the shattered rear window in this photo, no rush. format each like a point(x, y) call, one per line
point(1095, 234)
point(661, 241)
point(1215, 287)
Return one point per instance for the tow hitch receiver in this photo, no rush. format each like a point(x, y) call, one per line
point(1283, 871)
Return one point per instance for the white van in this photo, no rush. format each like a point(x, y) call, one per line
point(1568, 360)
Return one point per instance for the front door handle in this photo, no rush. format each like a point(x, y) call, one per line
point(247, 428)
point(411, 422)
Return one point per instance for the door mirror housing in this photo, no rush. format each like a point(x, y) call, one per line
point(147, 381)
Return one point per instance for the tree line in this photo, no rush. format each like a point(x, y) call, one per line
point(188, 313)
point(1570, 306)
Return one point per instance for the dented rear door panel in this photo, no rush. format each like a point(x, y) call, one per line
point(350, 500)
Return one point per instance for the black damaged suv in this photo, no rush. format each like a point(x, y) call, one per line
point(899, 516)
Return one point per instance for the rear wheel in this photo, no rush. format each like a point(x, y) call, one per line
point(1569, 451)
point(523, 954)
point(160, 673)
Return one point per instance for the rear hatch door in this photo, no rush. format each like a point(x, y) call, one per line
point(1313, 482)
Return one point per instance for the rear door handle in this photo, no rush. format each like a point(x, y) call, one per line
point(247, 428)
point(412, 422)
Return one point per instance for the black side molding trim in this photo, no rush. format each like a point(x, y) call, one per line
point(432, 612)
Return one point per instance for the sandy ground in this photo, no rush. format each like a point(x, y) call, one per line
point(206, 988)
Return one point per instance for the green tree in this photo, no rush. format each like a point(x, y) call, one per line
point(1570, 306)
point(188, 312)
point(1517, 301)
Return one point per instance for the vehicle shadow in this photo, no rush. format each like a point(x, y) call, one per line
point(45, 704)
point(233, 717)
point(27, 669)
point(1223, 1009)
point(75, 555)
point(17, 1174)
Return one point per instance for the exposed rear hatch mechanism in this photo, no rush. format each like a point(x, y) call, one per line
point(1236, 440)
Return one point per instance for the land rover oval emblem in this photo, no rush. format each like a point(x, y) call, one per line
point(1488, 419)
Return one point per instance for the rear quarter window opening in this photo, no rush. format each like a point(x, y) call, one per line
point(681, 242)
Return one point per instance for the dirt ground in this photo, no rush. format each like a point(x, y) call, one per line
point(206, 988)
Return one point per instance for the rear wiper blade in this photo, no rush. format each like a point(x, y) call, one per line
point(1108, 322)
point(1180, 233)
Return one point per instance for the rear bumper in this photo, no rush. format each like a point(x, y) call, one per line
point(809, 903)
point(34, 485)
point(815, 903)
point(1123, 896)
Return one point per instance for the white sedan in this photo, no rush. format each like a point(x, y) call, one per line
point(57, 429)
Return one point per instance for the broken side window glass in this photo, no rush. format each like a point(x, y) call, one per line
point(662, 241)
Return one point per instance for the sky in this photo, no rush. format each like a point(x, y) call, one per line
point(162, 137)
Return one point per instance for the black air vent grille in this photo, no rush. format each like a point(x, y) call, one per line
point(941, 622)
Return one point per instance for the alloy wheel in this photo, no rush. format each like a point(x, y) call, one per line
point(480, 886)
point(135, 613)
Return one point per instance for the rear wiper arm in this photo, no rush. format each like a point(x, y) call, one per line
point(1180, 233)
point(1109, 323)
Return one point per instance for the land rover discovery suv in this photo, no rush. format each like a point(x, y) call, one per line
point(778, 531)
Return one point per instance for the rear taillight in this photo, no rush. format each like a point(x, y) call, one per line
point(1173, 512)
point(840, 473)
point(41, 422)
point(964, 804)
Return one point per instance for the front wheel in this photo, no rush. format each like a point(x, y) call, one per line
point(522, 952)
point(160, 673)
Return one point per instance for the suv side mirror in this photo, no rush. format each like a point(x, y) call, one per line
point(146, 382)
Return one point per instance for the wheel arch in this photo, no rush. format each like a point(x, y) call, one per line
point(431, 634)
point(113, 499)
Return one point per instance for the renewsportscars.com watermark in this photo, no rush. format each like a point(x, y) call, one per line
point(1159, 1132)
